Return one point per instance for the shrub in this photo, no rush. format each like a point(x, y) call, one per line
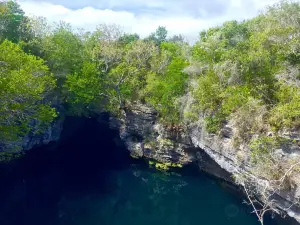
point(286, 114)
point(248, 120)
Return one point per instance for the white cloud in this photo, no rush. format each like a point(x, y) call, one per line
point(177, 17)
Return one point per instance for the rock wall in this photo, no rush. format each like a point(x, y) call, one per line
point(51, 133)
point(236, 161)
point(146, 137)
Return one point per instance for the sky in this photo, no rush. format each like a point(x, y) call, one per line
point(186, 17)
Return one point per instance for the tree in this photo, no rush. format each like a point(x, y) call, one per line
point(159, 36)
point(25, 83)
point(107, 50)
point(38, 30)
point(85, 89)
point(126, 81)
point(110, 32)
point(129, 38)
point(167, 83)
point(177, 39)
point(62, 50)
point(13, 22)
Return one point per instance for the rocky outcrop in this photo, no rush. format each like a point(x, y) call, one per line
point(146, 137)
point(51, 133)
point(236, 161)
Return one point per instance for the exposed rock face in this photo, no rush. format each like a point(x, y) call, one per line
point(236, 161)
point(146, 137)
point(51, 133)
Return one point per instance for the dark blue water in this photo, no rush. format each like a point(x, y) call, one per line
point(88, 180)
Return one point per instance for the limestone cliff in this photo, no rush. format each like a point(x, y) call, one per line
point(146, 137)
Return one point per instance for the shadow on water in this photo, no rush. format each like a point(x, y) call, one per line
point(32, 187)
point(87, 179)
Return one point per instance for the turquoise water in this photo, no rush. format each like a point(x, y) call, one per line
point(144, 197)
point(88, 180)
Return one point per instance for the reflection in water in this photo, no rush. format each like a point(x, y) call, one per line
point(87, 180)
point(147, 197)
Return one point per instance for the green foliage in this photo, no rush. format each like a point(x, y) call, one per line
point(249, 120)
point(246, 73)
point(263, 145)
point(126, 80)
point(24, 83)
point(287, 112)
point(129, 38)
point(12, 22)
point(269, 165)
point(84, 88)
point(123, 86)
point(218, 102)
point(234, 97)
point(177, 39)
point(6, 157)
point(164, 166)
point(207, 93)
point(262, 156)
point(164, 88)
point(242, 61)
point(214, 122)
point(62, 50)
point(159, 36)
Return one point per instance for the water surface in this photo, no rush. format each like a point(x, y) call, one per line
point(88, 180)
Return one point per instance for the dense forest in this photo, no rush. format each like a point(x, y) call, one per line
point(243, 73)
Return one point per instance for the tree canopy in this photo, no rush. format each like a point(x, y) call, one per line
point(245, 75)
point(25, 83)
point(232, 66)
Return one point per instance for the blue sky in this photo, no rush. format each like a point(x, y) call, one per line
point(187, 17)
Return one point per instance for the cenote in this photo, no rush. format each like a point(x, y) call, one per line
point(88, 179)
